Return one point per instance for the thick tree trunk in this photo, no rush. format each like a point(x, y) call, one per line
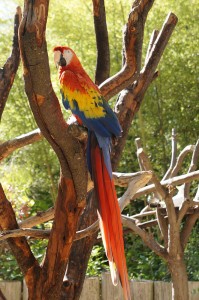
point(179, 278)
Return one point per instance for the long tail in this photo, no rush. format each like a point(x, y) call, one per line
point(109, 211)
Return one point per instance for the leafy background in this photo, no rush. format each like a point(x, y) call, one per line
point(30, 175)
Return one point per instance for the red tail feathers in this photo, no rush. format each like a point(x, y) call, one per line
point(110, 219)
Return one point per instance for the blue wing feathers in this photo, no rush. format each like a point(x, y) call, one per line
point(104, 144)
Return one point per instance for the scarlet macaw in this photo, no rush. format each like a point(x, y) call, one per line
point(83, 98)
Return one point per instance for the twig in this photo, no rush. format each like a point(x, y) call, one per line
point(144, 214)
point(147, 224)
point(173, 155)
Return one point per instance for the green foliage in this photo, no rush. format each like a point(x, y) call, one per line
point(98, 262)
point(29, 176)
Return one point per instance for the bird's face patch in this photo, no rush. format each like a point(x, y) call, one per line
point(63, 57)
point(57, 55)
point(67, 55)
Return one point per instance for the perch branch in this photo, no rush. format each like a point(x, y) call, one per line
point(73, 184)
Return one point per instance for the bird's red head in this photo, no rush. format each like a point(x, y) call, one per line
point(65, 57)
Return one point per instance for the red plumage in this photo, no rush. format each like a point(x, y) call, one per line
point(83, 97)
point(110, 218)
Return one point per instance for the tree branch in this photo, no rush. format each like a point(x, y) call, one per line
point(132, 50)
point(101, 33)
point(73, 179)
point(19, 246)
point(178, 180)
point(7, 73)
point(188, 226)
point(130, 99)
point(180, 159)
point(163, 225)
point(173, 154)
point(147, 238)
point(18, 142)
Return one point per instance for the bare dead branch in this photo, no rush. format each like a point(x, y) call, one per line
point(173, 154)
point(188, 226)
point(144, 214)
point(7, 73)
point(147, 238)
point(193, 167)
point(147, 224)
point(140, 180)
point(163, 225)
point(143, 159)
point(183, 210)
point(10, 146)
point(178, 180)
point(180, 159)
point(123, 179)
point(146, 165)
point(173, 232)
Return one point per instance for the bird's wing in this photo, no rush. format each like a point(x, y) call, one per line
point(83, 97)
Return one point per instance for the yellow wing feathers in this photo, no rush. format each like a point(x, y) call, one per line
point(78, 92)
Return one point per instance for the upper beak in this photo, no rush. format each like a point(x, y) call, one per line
point(62, 61)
